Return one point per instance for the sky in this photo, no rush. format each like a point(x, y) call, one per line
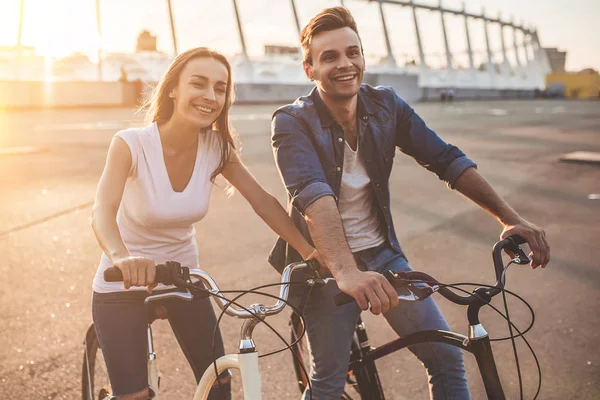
point(59, 27)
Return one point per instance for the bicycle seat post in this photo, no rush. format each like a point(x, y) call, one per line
point(151, 354)
point(154, 374)
point(246, 342)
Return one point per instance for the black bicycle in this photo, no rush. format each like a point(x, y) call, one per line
point(416, 286)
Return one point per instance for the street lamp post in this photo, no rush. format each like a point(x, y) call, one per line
point(173, 35)
point(99, 29)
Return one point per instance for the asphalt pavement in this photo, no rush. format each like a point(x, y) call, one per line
point(51, 161)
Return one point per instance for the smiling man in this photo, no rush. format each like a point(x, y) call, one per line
point(334, 149)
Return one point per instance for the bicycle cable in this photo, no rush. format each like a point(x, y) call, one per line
point(510, 331)
point(455, 286)
point(233, 301)
point(506, 316)
point(511, 337)
point(294, 309)
point(477, 296)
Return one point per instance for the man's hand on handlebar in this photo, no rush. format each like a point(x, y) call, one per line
point(535, 237)
point(368, 288)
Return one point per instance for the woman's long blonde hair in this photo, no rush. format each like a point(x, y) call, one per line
point(160, 106)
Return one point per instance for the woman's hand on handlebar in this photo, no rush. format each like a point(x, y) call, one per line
point(137, 271)
point(536, 239)
point(314, 255)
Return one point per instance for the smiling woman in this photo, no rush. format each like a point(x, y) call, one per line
point(155, 186)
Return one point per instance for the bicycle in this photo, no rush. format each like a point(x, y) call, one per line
point(417, 286)
point(246, 361)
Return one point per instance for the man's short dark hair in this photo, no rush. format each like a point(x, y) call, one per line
point(327, 20)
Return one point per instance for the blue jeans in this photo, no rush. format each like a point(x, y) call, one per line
point(121, 322)
point(330, 330)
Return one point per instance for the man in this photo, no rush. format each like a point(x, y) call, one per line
point(334, 149)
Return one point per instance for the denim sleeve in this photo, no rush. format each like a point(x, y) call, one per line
point(298, 162)
point(414, 138)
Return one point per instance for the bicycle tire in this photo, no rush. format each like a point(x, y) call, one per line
point(93, 368)
point(300, 350)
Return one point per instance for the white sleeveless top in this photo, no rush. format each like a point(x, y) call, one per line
point(357, 204)
point(154, 220)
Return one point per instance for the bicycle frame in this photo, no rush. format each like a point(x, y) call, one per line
point(478, 344)
point(246, 363)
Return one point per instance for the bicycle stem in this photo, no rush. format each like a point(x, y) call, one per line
point(246, 342)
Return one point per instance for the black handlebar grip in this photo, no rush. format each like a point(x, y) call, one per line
point(164, 273)
point(517, 240)
point(514, 247)
point(113, 274)
point(314, 265)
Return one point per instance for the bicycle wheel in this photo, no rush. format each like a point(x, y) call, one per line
point(301, 362)
point(94, 376)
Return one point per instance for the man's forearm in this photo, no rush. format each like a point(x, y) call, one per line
point(474, 186)
point(327, 232)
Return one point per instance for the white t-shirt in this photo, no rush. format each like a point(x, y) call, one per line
point(154, 220)
point(357, 204)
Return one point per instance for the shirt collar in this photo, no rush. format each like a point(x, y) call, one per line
point(366, 107)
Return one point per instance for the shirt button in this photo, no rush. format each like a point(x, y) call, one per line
point(385, 207)
point(377, 185)
point(340, 140)
point(339, 169)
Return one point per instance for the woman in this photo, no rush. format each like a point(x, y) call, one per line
point(156, 184)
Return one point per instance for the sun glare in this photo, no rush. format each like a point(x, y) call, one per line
point(54, 28)
point(54, 50)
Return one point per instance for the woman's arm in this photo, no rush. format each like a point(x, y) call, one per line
point(137, 271)
point(108, 198)
point(265, 205)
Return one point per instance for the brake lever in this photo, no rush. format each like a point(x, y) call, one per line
point(187, 296)
point(417, 293)
point(520, 257)
point(318, 281)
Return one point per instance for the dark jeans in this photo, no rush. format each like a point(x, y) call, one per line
point(121, 322)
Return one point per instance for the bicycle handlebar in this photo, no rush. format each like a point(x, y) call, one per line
point(511, 243)
point(171, 273)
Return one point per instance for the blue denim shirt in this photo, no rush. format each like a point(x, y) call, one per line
point(308, 146)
